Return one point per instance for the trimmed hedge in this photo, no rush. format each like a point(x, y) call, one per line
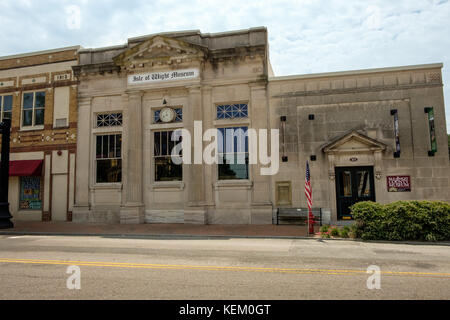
point(402, 220)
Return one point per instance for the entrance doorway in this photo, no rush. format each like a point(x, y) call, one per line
point(353, 184)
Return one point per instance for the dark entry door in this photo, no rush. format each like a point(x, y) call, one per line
point(353, 184)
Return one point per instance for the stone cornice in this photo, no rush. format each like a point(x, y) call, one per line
point(358, 72)
point(96, 68)
point(213, 56)
point(236, 52)
point(84, 101)
point(234, 81)
point(159, 50)
point(356, 90)
point(132, 94)
point(204, 85)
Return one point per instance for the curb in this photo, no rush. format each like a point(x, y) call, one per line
point(196, 236)
point(150, 236)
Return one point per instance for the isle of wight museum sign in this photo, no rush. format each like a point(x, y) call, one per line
point(153, 77)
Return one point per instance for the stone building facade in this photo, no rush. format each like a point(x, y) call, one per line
point(346, 121)
point(368, 135)
point(215, 70)
point(39, 94)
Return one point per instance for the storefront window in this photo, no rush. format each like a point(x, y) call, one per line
point(5, 107)
point(233, 153)
point(165, 169)
point(30, 193)
point(109, 158)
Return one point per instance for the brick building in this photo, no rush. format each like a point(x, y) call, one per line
point(39, 94)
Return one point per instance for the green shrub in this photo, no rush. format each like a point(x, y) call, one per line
point(353, 231)
point(334, 232)
point(402, 220)
point(324, 231)
point(369, 218)
point(345, 232)
point(430, 237)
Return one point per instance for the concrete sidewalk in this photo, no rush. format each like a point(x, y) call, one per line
point(157, 230)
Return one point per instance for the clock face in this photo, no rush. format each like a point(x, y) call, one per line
point(167, 115)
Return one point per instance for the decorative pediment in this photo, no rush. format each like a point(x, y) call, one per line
point(353, 142)
point(159, 50)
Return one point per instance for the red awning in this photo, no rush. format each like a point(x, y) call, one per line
point(25, 168)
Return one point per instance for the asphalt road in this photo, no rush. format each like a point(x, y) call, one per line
point(35, 267)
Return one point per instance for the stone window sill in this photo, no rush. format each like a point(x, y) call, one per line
point(171, 125)
point(100, 186)
point(232, 122)
point(234, 184)
point(29, 211)
point(36, 128)
point(161, 185)
point(107, 130)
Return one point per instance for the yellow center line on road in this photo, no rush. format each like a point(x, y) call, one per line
point(217, 268)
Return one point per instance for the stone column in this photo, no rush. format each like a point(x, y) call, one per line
point(194, 211)
point(380, 181)
point(81, 207)
point(208, 116)
point(132, 209)
point(261, 204)
point(331, 215)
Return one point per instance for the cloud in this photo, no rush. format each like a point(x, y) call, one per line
point(73, 16)
point(305, 36)
point(373, 21)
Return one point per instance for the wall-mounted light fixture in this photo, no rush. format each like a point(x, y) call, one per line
point(394, 113)
point(433, 143)
point(284, 157)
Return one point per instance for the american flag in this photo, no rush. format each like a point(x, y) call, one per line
point(308, 190)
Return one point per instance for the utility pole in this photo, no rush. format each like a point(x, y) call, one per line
point(5, 215)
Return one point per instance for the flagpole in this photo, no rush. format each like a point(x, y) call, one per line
point(306, 183)
point(307, 232)
point(308, 193)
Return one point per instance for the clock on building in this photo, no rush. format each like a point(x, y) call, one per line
point(167, 115)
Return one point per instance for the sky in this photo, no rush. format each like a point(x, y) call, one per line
point(305, 36)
